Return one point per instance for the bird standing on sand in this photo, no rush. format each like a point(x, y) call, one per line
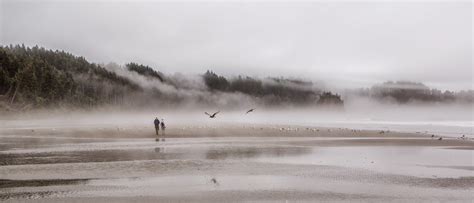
point(251, 110)
point(440, 138)
point(212, 115)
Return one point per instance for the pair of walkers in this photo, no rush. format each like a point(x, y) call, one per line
point(159, 124)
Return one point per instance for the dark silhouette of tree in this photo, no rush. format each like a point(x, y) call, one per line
point(247, 85)
point(327, 98)
point(215, 82)
point(145, 71)
point(272, 91)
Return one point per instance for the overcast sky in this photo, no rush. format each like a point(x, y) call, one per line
point(345, 44)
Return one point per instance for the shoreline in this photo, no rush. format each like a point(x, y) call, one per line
point(231, 163)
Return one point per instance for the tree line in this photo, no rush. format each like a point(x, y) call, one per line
point(273, 90)
point(34, 77)
point(403, 92)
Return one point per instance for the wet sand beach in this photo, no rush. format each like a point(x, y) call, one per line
point(232, 163)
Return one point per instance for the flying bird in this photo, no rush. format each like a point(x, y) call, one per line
point(212, 115)
point(251, 110)
point(214, 180)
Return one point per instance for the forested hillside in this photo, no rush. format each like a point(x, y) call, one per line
point(272, 90)
point(34, 77)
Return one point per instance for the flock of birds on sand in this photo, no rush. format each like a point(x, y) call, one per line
point(213, 115)
point(380, 132)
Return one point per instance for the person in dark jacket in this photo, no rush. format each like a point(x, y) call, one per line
point(157, 125)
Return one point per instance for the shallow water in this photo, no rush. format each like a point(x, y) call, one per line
point(412, 161)
point(250, 168)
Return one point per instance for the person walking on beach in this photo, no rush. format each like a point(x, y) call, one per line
point(157, 125)
point(163, 126)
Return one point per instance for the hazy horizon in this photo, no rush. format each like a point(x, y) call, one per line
point(343, 44)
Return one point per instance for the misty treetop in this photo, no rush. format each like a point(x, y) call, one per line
point(271, 90)
point(405, 92)
point(145, 71)
point(327, 98)
point(216, 82)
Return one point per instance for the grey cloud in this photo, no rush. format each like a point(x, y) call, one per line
point(345, 44)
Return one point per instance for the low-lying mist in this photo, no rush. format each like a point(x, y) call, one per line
point(448, 119)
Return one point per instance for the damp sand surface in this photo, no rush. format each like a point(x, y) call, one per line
point(232, 163)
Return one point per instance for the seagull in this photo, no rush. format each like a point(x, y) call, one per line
point(251, 110)
point(213, 115)
point(440, 138)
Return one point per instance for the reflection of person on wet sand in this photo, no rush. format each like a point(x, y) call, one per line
point(157, 125)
